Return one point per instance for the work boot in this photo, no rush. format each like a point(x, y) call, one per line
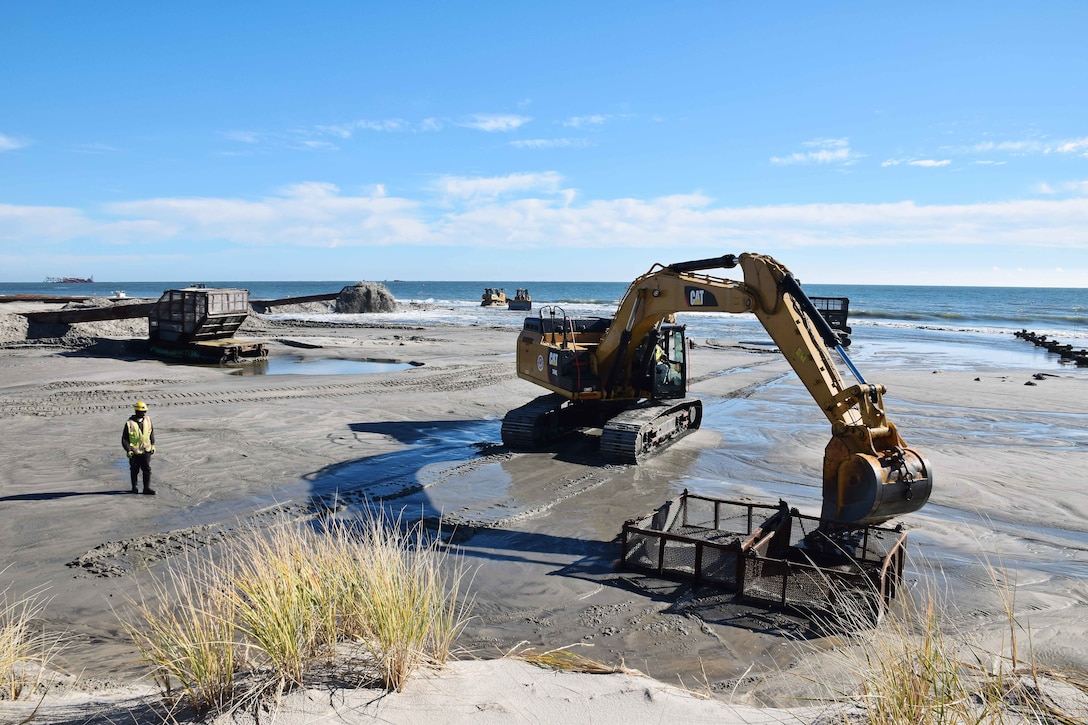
point(148, 491)
point(135, 489)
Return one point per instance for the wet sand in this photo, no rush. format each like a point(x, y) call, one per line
point(537, 530)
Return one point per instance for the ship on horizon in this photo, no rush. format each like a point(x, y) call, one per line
point(69, 280)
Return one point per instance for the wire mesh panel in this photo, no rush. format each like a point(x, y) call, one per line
point(642, 550)
point(680, 555)
point(760, 552)
point(718, 566)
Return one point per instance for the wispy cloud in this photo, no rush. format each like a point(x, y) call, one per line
point(250, 137)
point(94, 148)
point(1013, 147)
point(495, 122)
point(595, 119)
point(551, 143)
point(820, 151)
point(1025, 147)
point(347, 130)
point(10, 143)
point(316, 145)
point(1065, 187)
point(1076, 146)
point(492, 187)
point(927, 163)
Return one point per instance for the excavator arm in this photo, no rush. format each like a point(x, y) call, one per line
point(869, 474)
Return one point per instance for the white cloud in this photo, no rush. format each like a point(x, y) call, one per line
point(347, 130)
point(339, 130)
point(551, 143)
point(593, 120)
point(10, 143)
point(495, 122)
point(94, 148)
point(1076, 146)
point(1031, 146)
point(37, 224)
point(316, 145)
point(493, 187)
point(389, 124)
point(1066, 187)
point(242, 136)
point(534, 210)
point(310, 214)
point(820, 151)
point(692, 221)
point(1016, 147)
point(916, 162)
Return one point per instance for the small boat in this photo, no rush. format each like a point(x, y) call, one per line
point(521, 301)
point(493, 296)
point(118, 294)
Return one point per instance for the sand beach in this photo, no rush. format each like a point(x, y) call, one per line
point(538, 531)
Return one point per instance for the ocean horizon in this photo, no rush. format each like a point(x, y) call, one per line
point(1047, 310)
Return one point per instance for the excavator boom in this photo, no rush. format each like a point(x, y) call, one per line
point(632, 370)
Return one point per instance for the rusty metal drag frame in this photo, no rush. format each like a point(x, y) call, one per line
point(753, 549)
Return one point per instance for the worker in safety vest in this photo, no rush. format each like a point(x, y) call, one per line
point(138, 439)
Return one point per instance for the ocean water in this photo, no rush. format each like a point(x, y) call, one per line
point(907, 325)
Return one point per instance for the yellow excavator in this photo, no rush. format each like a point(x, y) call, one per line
point(628, 376)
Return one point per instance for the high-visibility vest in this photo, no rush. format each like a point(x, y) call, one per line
point(139, 435)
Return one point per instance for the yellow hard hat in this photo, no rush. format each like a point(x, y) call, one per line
point(140, 405)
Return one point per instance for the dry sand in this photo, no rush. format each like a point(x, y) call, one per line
point(537, 530)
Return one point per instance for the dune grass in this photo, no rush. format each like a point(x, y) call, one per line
point(282, 602)
point(915, 667)
point(25, 651)
point(186, 630)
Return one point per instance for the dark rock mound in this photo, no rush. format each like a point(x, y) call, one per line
point(365, 297)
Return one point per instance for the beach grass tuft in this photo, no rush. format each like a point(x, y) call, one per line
point(408, 613)
point(186, 631)
point(915, 667)
point(278, 603)
point(25, 651)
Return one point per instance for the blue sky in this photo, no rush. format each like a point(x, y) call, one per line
point(918, 143)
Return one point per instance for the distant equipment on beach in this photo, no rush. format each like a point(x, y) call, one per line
point(521, 301)
point(835, 310)
point(199, 323)
point(69, 280)
point(493, 296)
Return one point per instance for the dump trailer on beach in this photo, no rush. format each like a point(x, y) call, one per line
point(199, 323)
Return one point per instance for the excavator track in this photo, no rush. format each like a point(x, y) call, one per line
point(651, 427)
point(533, 424)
